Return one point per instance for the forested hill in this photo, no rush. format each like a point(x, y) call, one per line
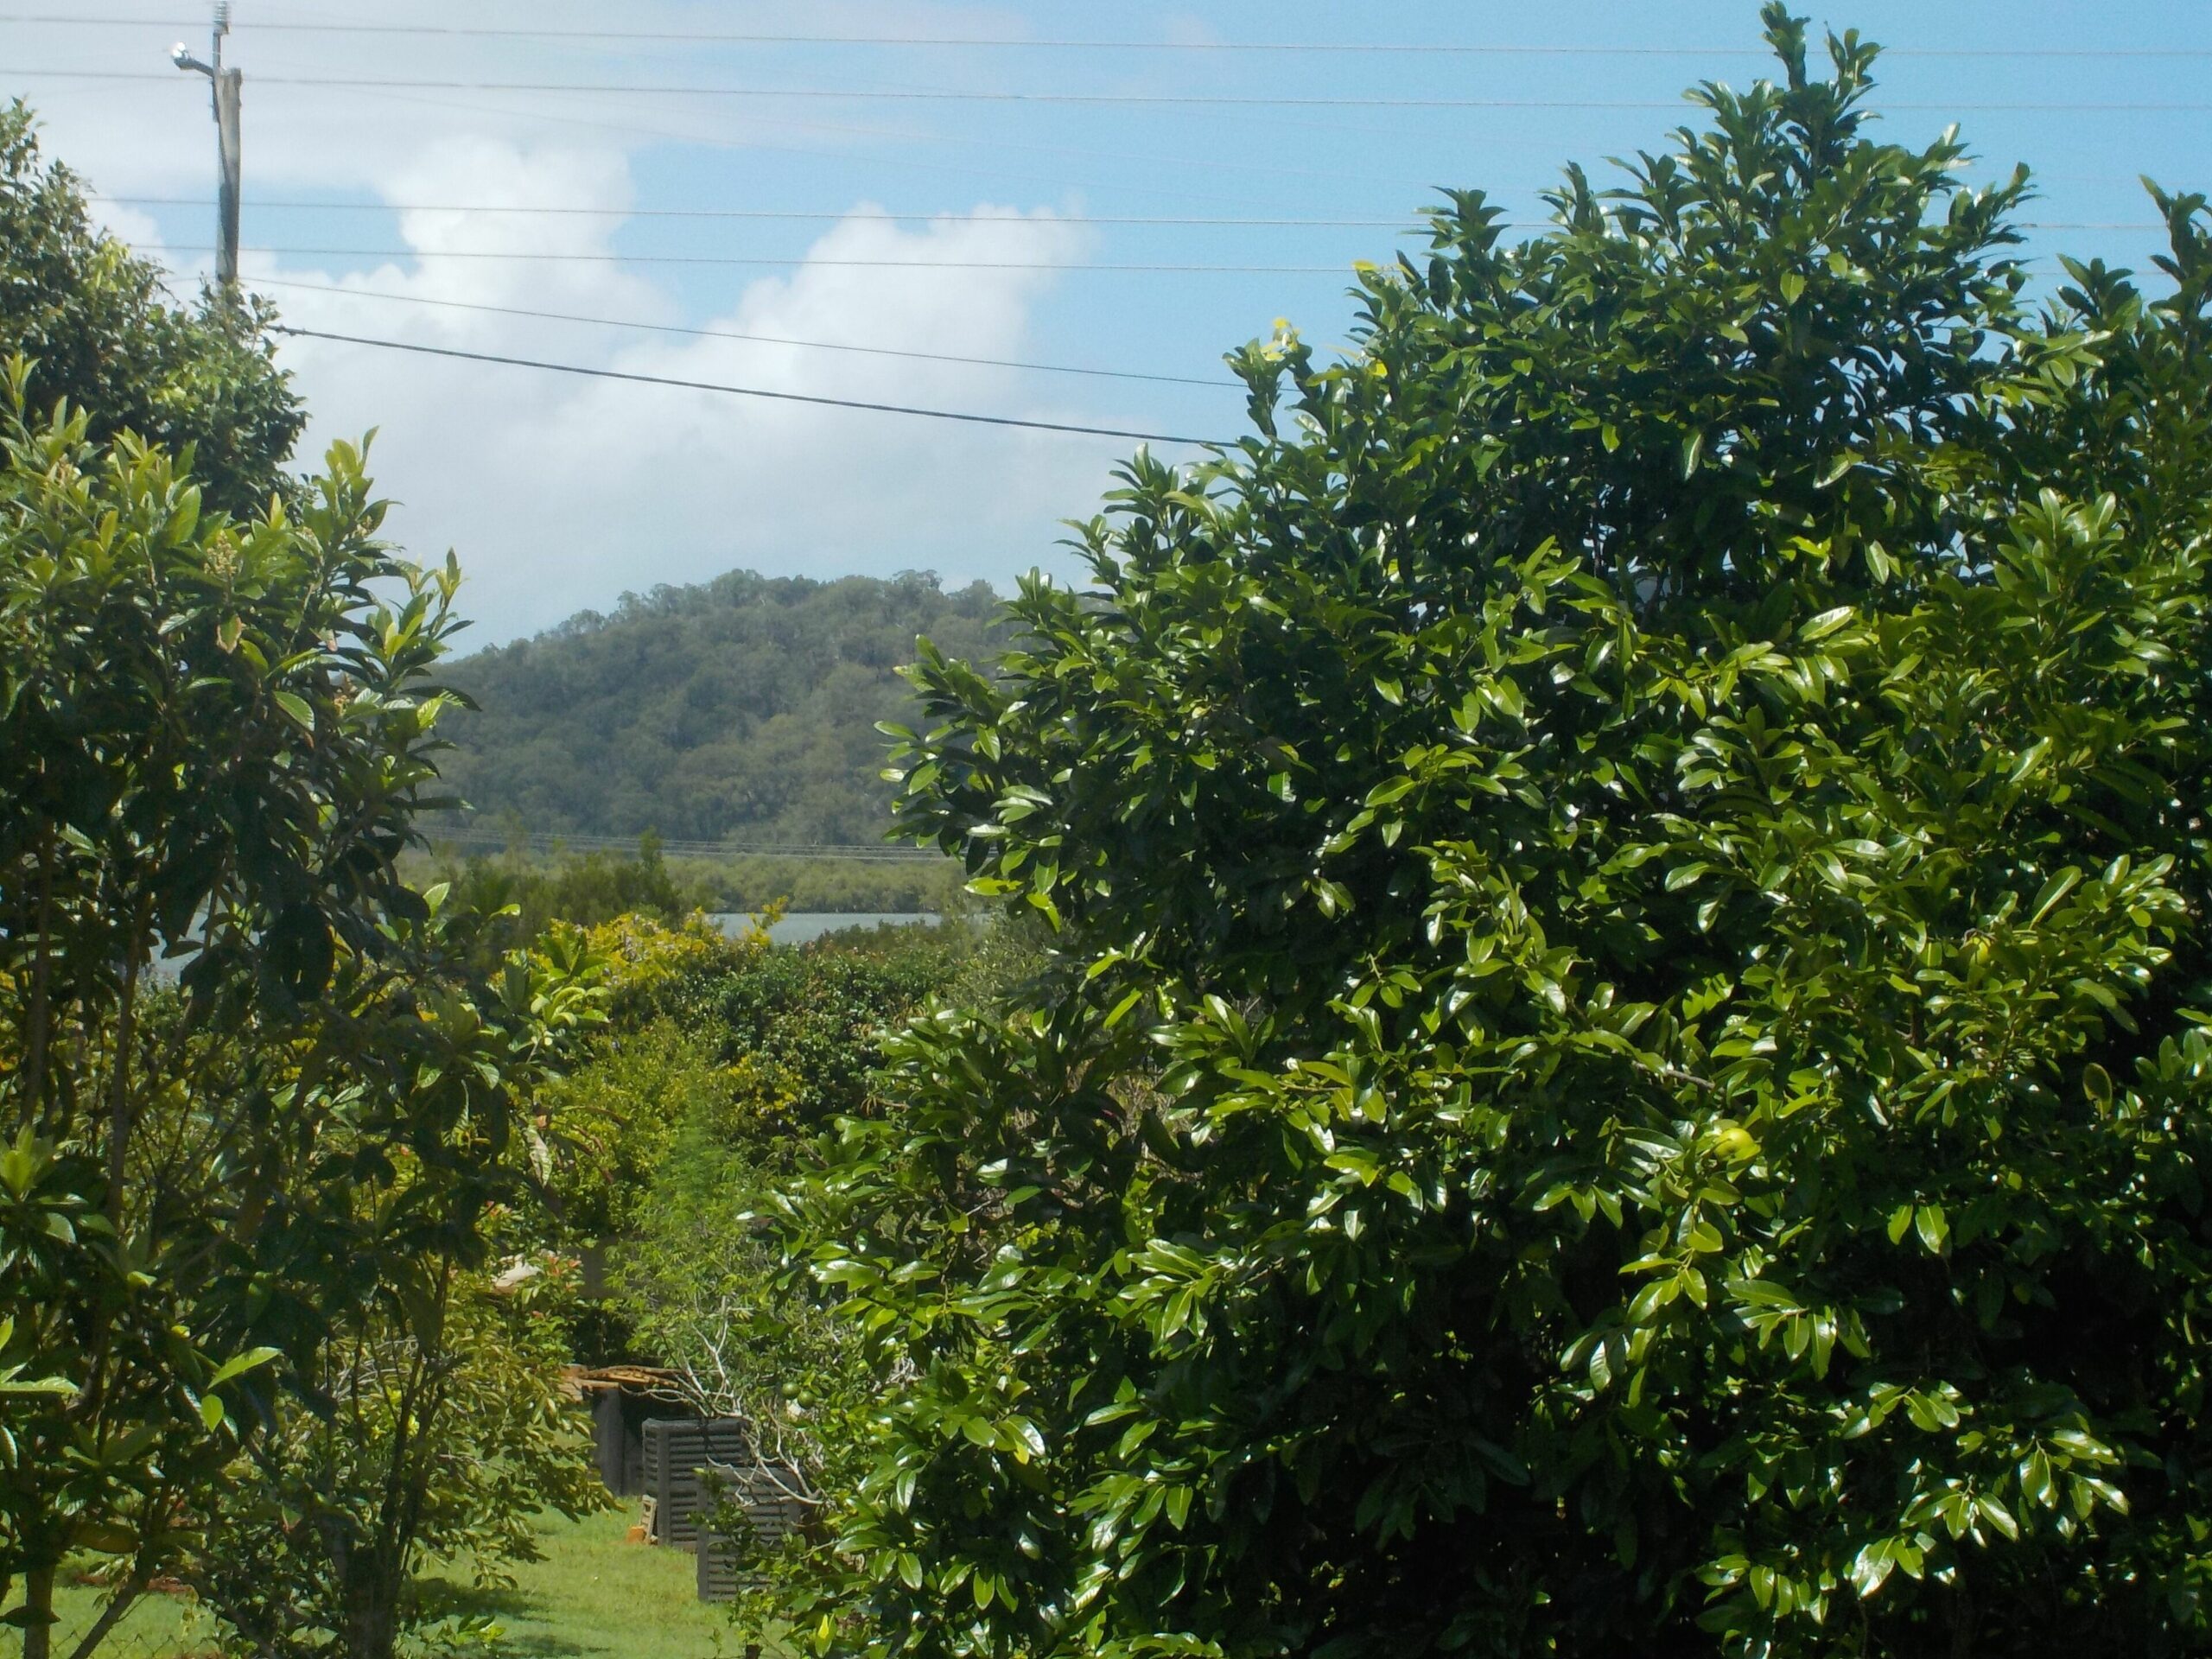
point(744, 708)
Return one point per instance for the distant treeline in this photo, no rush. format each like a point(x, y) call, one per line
point(596, 887)
point(743, 709)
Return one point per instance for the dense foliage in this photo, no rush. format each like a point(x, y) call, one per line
point(213, 732)
point(744, 709)
point(517, 900)
point(442, 1434)
point(93, 319)
point(719, 1079)
point(752, 882)
point(523, 894)
point(1630, 1069)
point(725, 1065)
point(281, 1313)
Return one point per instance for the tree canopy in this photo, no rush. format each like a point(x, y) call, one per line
point(1629, 1067)
point(258, 1103)
point(745, 708)
point(93, 319)
point(213, 733)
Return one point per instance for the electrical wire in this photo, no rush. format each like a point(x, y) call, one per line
point(763, 259)
point(727, 333)
point(900, 95)
point(867, 215)
point(907, 139)
point(996, 145)
point(1207, 100)
point(873, 217)
point(1003, 42)
point(748, 391)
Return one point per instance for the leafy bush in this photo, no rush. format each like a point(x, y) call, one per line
point(897, 886)
point(216, 724)
point(443, 1436)
point(598, 887)
point(91, 319)
point(518, 899)
point(614, 1124)
point(816, 1016)
point(722, 1074)
point(1640, 1078)
point(213, 736)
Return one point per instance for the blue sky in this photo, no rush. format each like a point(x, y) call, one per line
point(560, 494)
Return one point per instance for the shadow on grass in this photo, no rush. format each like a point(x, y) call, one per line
point(441, 1598)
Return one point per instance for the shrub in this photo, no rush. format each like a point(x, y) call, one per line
point(1638, 1077)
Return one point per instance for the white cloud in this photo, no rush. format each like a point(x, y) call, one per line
point(155, 136)
point(560, 493)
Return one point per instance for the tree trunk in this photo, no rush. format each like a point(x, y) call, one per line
point(372, 1608)
point(119, 1104)
point(38, 1604)
point(1962, 1620)
point(34, 1111)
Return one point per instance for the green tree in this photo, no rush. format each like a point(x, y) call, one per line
point(441, 1434)
point(518, 901)
point(213, 734)
point(92, 318)
point(1628, 1073)
point(721, 1071)
point(743, 708)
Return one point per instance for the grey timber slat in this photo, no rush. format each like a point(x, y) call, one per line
point(763, 1493)
point(675, 1451)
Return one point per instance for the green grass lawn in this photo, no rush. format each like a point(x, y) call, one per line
point(593, 1594)
point(596, 1593)
point(159, 1627)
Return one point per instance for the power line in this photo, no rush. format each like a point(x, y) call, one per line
point(909, 139)
point(871, 217)
point(763, 259)
point(749, 391)
point(865, 217)
point(906, 160)
point(901, 95)
point(1209, 100)
point(1132, 268)
point(995, 145)
point(726, 333)
point(1004, 42)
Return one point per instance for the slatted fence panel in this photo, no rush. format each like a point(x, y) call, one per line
point(675, 1451)
point(764, 1495)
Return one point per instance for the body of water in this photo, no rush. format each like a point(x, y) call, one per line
point(799, 926)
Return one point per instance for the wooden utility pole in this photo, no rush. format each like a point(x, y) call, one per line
point(225, 85)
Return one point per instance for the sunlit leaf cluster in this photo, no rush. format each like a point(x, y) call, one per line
point(1630, 1069)
point(250, 1091)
